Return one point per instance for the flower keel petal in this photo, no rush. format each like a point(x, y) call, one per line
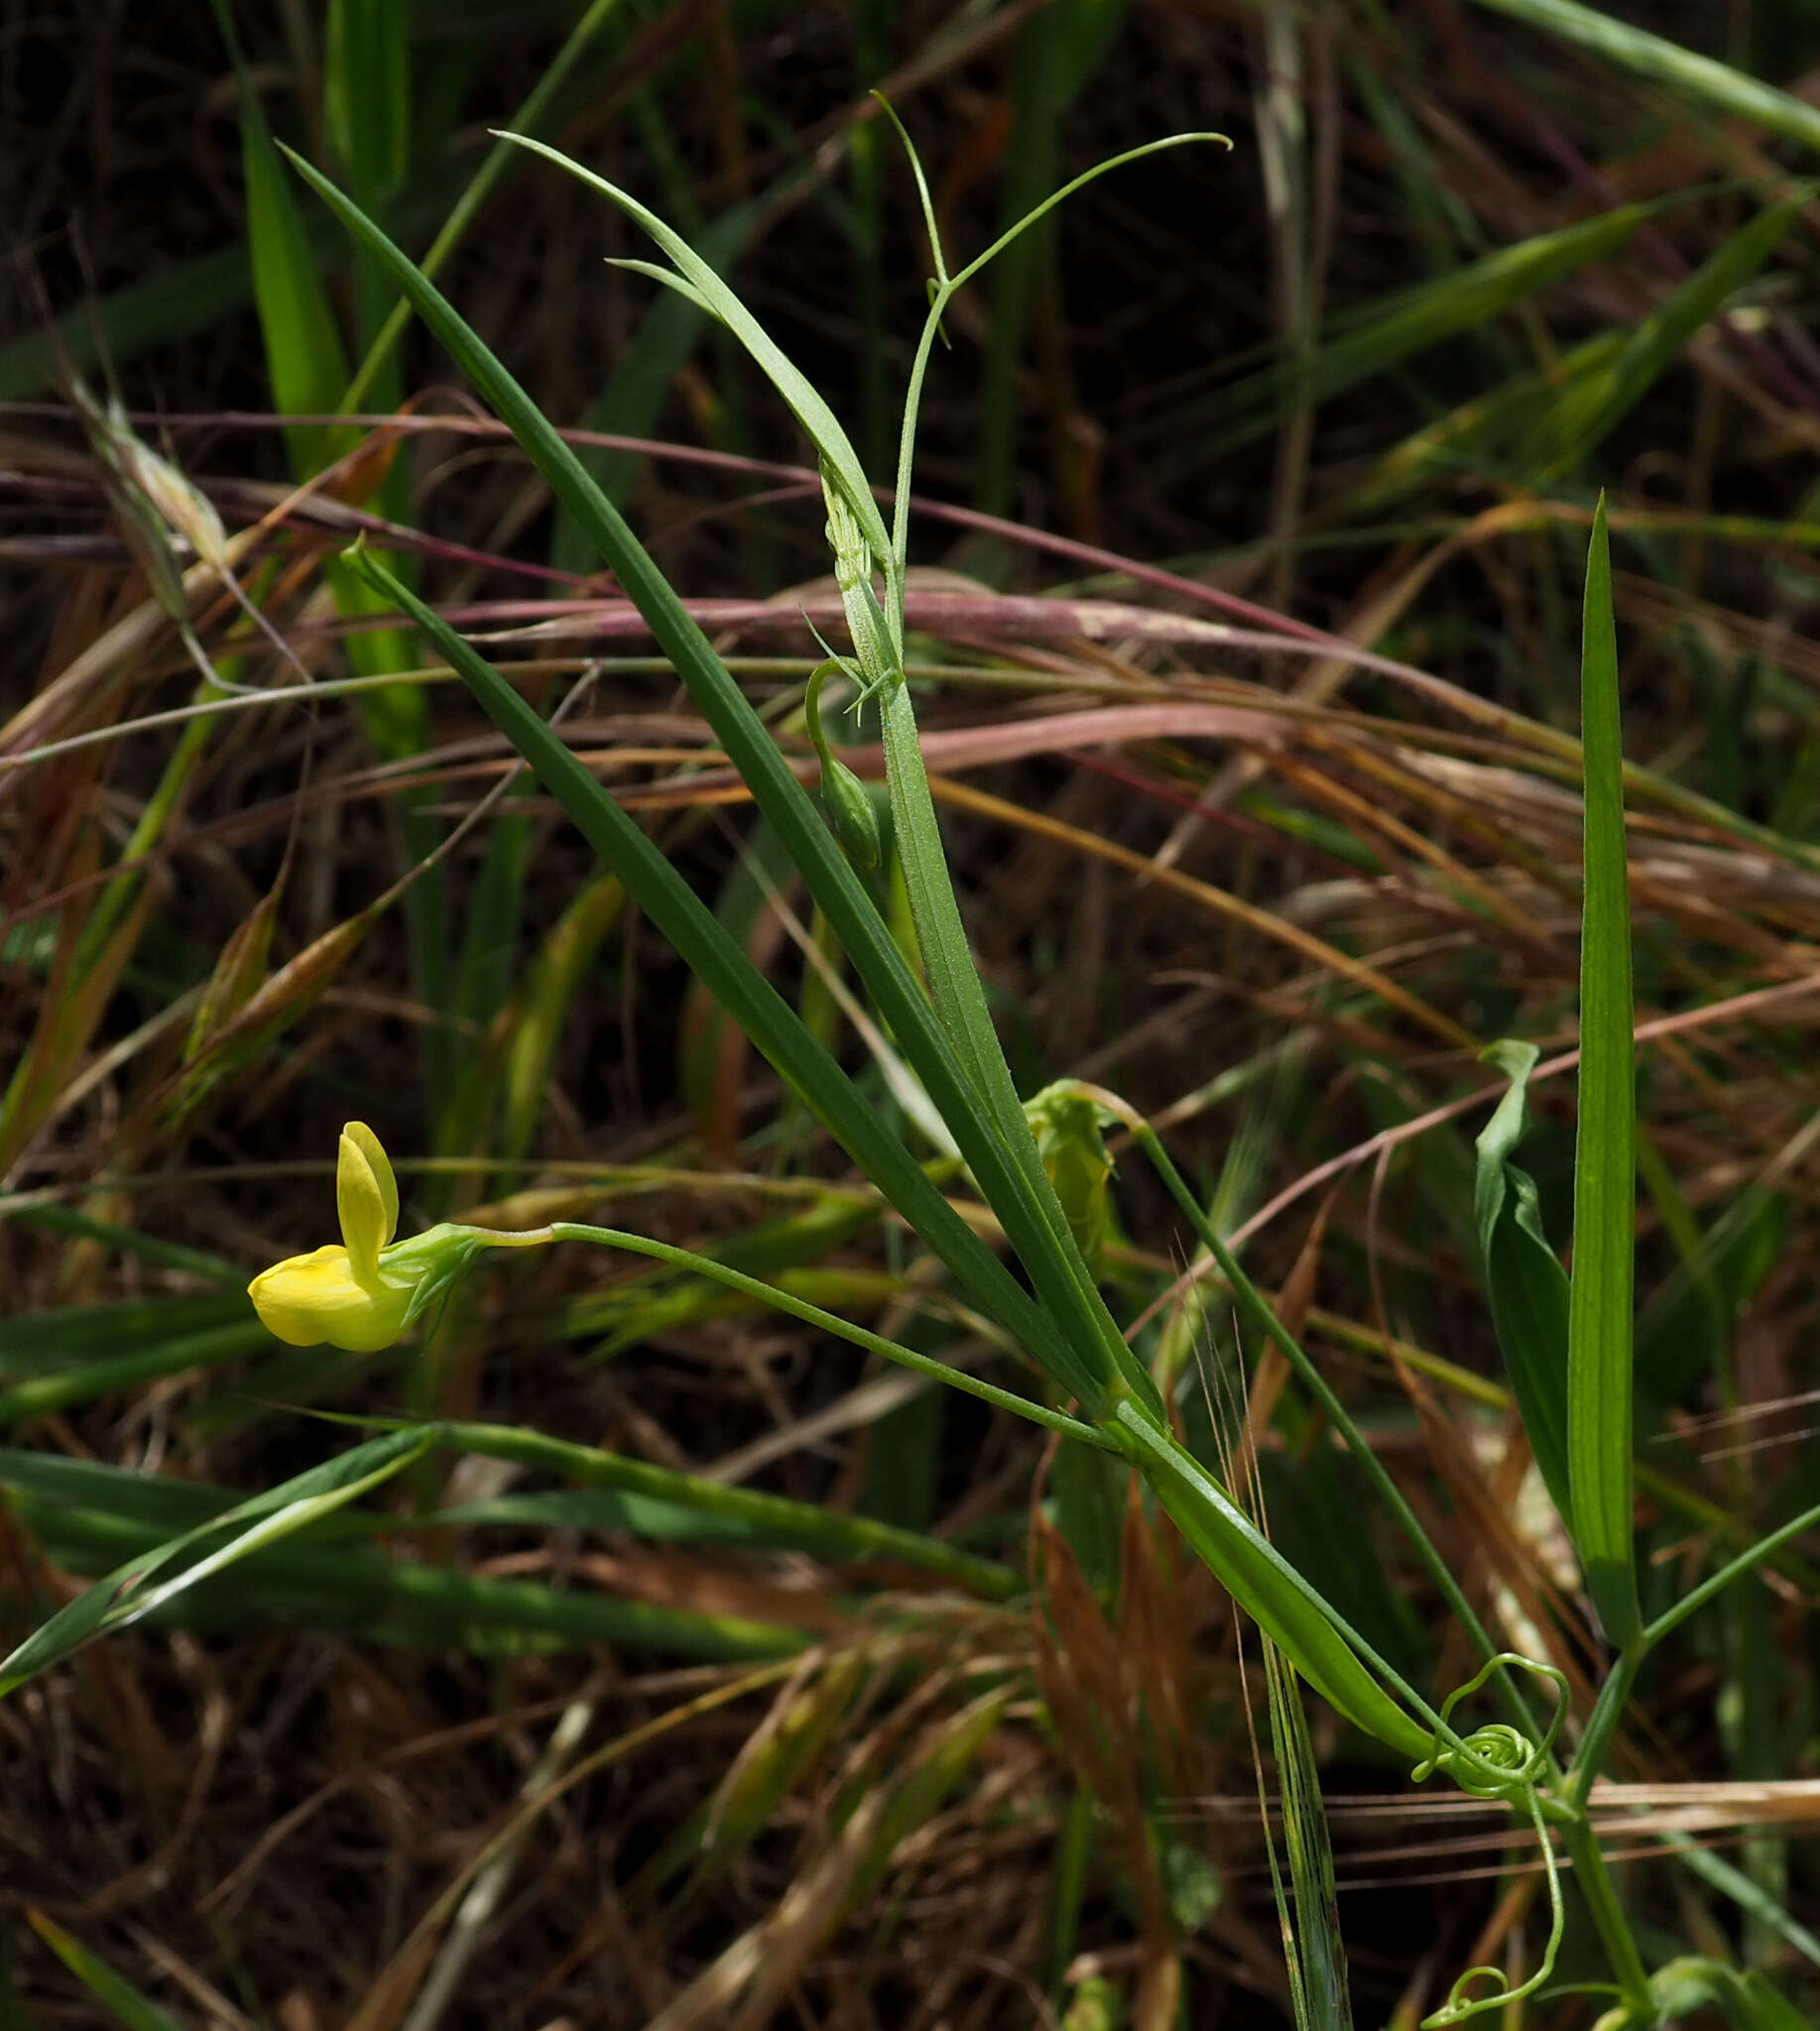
point(305, 1300)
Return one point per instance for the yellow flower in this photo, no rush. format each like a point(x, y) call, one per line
point(361, 1295)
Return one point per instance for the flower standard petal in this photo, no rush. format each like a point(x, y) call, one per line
point(367, 1219)
point(380, 1164)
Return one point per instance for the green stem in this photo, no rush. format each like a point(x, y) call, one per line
point(1589, 1861)
point(813, 1315)
point(1673, 1617)
point(1589, 1757)
point(1601, 1895)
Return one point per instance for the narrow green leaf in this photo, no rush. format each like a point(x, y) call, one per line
point(1306, 1628)
point(1308, 1911)
point(793, 1741)
point(1319, 1506)
point(1029, 162)
point(1763, 2006)
point(302, 347)
point(367, 92)
point(122, 2001)
point(72, 1380)
point(136, 1588)
point(165, 1506)
point(1718, 86)
point(917, 1793)
point(735, 1512)
point(382, 1598)
point(480, 188)
point(1381, 335)
point(130, 1241)
point(1525, 1283)
point(701, 282)
point(1751, 1897)
point(1749, 2002)
point(1599, 1310)
point(644, 376)
point(550, 984)
point(1600, 400)
point(65, 1336)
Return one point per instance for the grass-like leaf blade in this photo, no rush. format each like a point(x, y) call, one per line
point(145, 1582)
point(1600, 1322)
point(303, 346)
point(698, 280)
point(1733, 93)
point(124, 2003)
point(1604, 397)
point(1308, 1630)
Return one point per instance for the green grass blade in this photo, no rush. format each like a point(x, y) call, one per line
point(1314, 1950)
point(157, 1504)
point(309, 373)
point(632, 400)
point(1747, 2003)
point(1601, 401)
point(1599, 1310)
point(136, 1588)
point(1717, 86)
point(123, 2002)
point(480, 188)
point(302, 347)
point(64, 1336)
point(1381, 337)
point(1749, 1897)
point(1257, 1312)
point(959, 997)
point(871, 29)
point(551, 982)
point(1027, 265)
point(1525, 1283)
point(71, 1381)
point(380, 1599)
point(367, 92)
point(737, 1515)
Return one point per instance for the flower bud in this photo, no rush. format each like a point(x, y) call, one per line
point(850, 813)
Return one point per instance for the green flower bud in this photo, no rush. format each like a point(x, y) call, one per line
point(850, 813)
point(844, 796)
point(1067, 1128)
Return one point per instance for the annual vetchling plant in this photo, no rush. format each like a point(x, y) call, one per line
point(1008, 1200)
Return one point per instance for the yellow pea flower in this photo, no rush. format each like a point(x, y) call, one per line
point(361, 1295)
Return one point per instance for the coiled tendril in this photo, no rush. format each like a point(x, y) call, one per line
point(1499, 1761)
